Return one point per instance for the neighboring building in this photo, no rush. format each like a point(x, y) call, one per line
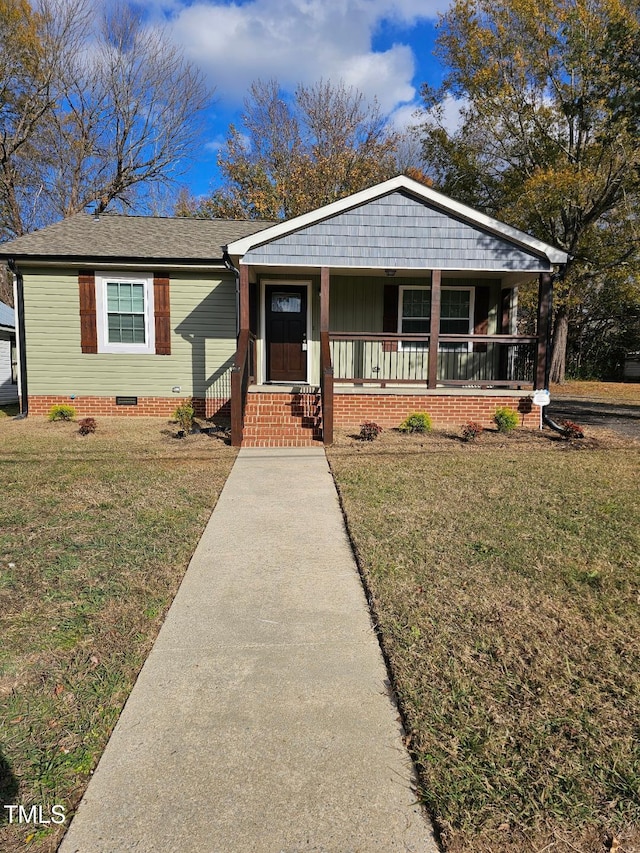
point(8, 361)
point(392, 300)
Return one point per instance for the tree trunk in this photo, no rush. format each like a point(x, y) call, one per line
point(559, 351)
point(6, 286)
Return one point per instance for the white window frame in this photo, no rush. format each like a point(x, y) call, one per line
point(104, 345)
point(411, 345)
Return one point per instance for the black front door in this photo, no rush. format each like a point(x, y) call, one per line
point(286, 333)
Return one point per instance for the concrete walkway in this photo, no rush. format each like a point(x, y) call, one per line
point(261, 720)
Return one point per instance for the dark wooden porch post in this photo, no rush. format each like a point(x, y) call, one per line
point(244, 296)
point(240, 362)
point(545, 291)
point(324, 299)
point(505, 329)
point(326, 368)
point(434, 327)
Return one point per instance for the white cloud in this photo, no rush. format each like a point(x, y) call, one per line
point(404, 117)
point(449, 113)
point(218, 142)
point(299, 41)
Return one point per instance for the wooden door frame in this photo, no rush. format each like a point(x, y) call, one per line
point(281, 282)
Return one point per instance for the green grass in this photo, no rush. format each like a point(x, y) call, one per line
point(95, 535)
point(505, 579)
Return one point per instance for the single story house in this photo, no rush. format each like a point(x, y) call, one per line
point(8, 362)
point(393, 300)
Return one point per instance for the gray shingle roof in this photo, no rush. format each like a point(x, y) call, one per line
point(7, 316)
point(120, 237)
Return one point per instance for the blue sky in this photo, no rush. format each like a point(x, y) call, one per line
point(381, 47)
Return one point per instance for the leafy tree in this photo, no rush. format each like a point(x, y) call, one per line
point(549, 137)
point(290, 156)
point(90, 118)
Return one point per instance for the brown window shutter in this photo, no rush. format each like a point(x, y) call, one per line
point(162, 314)
point(390, 315)
point(88, 327)
point(481, 316)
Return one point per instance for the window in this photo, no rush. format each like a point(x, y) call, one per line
point(414, 316)
point(124, 308)
point(455, 316)
point(456, 313)
point(286, 303)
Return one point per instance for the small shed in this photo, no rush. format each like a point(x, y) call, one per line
point(8, 359)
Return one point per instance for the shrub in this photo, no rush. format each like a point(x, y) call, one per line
point(62, 412)
point(184, 415)
point(417, 422)
point(369, 430)
point(471, 430)
point(506, 419)
point(571, 429)
point(87, 425)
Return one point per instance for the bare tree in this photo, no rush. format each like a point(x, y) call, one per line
point(97, 118)
point(38, 46)
point(6, 286)
point(294, 154)
point(130, 118)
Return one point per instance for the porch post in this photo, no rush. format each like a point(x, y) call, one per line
point(434, 327)
point(545, 292)
point(244, 296)
point(324, 299)
point(239, 369)
point(505, 329)
point(326, 368)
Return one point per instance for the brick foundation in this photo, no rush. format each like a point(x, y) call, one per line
point(273, 420)
point(159, 407)
point(389, 410)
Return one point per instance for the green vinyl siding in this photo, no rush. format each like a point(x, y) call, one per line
point(356, 303)
point(203, 330)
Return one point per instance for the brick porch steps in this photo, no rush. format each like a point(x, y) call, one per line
point(283, 418)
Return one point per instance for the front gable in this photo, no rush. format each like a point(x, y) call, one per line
point(394, 231)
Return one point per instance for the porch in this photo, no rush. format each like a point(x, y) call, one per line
point(396, 293)
point(317, 368)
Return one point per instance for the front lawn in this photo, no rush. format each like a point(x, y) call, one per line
point(95, 535)
point(505, 580)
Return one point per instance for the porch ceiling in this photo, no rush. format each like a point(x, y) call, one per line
point(509, 279)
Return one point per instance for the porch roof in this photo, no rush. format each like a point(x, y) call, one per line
point(399, 224)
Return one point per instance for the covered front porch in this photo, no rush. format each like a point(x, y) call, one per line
point(333, 334)
point(396, 296)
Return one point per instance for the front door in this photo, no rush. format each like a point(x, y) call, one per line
point(286, 332)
